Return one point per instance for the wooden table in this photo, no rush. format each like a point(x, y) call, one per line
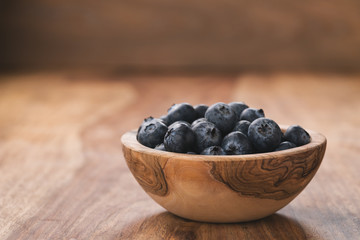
point(63, 176)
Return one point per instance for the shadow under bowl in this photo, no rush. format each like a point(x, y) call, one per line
point(223, 189)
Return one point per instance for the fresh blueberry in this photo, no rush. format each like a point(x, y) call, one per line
point(207, 135)
point(164, 119)
point(160, 147)
point(198, 120)
point(242, 126)
point(250, 114)
point(222, 116)
point(151, 132)
point(213, 150)
point(282, 137)
point(200, 110)
point(238, 108)
point(148, 119)
point(285, 145)
point(193, 153)
point(179, 138)
point(181, 112)
point(173, 124)
point(297, 135)
point(264, 134)
point(236, 143)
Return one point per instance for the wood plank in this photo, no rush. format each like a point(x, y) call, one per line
point(62, 174)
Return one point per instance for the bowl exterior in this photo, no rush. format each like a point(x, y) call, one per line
point(223, 189)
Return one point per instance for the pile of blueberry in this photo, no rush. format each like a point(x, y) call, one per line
point(221, 129)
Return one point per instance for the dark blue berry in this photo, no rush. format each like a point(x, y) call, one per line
point(207, 135)
point(186, 123)
point(151, 132)
point(297, 135)
point(179, 138)
point(236, 143)
point(238, 108)
point(285, 145)
point(164, 119)
point(181, 112)
point(222, 116)
point(282, 137)
point(160, 147)
point(213, 150)
point(193, 153)
point(250, 114)
point(198, 120)
point(200, 110)
point(242, 126)
point(264, 134)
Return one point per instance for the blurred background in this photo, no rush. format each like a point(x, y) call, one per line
point(180, 36)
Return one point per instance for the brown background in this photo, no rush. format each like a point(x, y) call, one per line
point(229, 35)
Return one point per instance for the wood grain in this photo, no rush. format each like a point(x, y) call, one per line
point(62, 174)
point(149, 173)
point(277, 178)
point(196, 186)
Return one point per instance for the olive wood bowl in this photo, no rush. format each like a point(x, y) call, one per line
point(231, 188)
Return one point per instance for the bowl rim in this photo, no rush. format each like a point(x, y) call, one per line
point(129, 141)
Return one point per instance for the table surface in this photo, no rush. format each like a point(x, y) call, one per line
point(63, 176)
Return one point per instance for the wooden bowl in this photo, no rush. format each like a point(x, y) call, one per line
point(223, 189)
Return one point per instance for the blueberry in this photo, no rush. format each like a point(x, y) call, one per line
point(297, 135)
point(238, 108)
point(264, 134)
point(160, 147)
point(285, 145)
point(181, 112)
point(250, 114)
point(151, 132)
point(222, 116)
point(207, 135)
point(179, 138)
point(193, 153)
point(236, 143)
point(186, 123)
point(164, 119)
point(213, 150)
point(148, 119)
point(282, 137)
point(198, 120)
point(242, 126)
point(200, 110)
